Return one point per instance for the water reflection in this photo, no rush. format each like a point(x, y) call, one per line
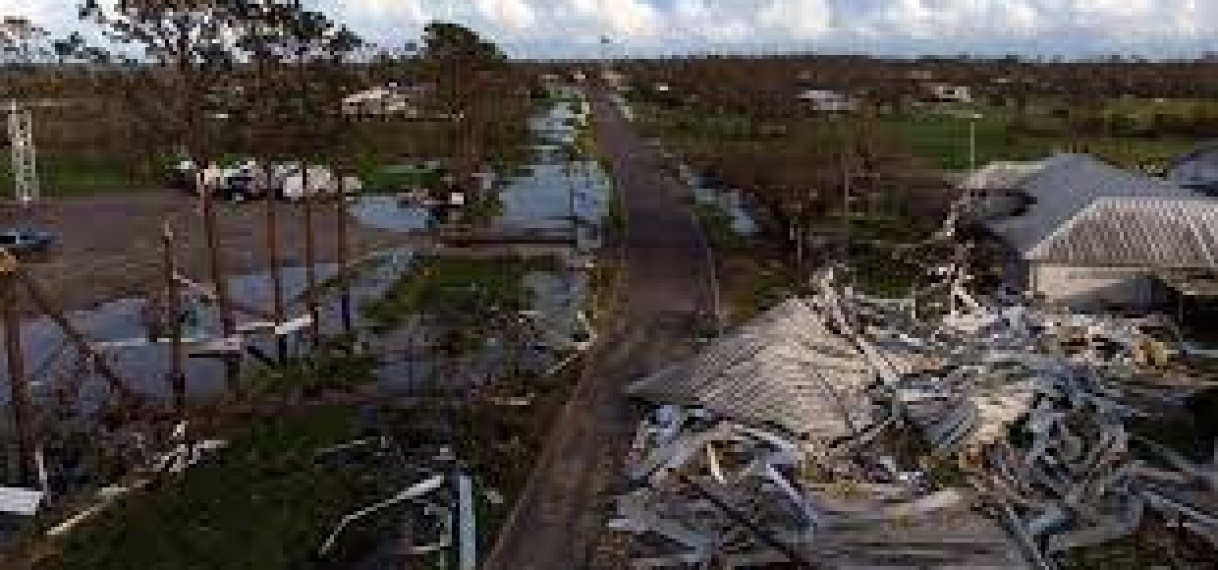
point(550, 194)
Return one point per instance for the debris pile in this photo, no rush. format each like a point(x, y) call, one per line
point(938, 430)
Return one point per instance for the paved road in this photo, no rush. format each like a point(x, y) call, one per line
point(562, 513)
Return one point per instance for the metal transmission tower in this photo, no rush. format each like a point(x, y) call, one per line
point(25, 158)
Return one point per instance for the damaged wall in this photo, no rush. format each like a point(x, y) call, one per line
point(1085, 288)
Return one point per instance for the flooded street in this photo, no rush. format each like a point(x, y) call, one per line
point(731, 202)
point(549, 195)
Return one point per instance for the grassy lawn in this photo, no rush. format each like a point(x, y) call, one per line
point(267, 502)
point(368, 148)
point(937, 140)
point(270, 499)
point(944, 141)
point(79, 175)
point(446, 284)
point(379, 179)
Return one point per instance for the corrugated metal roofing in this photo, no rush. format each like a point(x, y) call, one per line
point(1067, 185)
point(1137, 232)
point(786, 369)
point(18, 501)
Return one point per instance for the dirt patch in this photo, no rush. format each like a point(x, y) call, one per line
point(110, 246)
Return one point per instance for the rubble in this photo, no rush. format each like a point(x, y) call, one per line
point(988, 431)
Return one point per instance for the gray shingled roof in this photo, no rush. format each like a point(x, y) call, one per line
point(1067, 185)
point(785, 368)
point(1138, 232)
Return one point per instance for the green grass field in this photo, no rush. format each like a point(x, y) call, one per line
point(266, 502)
point(936, 140)
point(79, 175)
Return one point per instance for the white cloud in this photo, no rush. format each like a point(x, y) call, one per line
point(797, 19)
point(47, 14)
point(511, 14)
point(558, 27)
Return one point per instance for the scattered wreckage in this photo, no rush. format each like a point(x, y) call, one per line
point(845, 431)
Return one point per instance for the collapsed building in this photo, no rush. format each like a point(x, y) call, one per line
point(941, 430)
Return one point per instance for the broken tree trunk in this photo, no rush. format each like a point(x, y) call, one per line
point(177, 375)
point(19, 399)
point(272, 247)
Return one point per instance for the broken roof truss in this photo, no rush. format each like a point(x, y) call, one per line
point(788, 441)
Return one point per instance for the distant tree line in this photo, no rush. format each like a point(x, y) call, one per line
point(767, 84)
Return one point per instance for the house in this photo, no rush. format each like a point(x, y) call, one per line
point(615, 79)
point(1198, 169)
point(944, 93)
point(385, 101)
point(1085, 234)
point(828, 101)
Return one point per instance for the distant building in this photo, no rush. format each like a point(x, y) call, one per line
point(615, 79)
point(1198, 169)
point(828, 101)
point(1085, 234)
point(944, 93)
point(386, 101)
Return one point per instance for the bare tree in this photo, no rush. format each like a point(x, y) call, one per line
point(193, 47)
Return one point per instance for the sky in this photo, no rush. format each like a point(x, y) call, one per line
point(573, 28)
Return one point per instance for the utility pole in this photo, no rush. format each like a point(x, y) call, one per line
point(176, 314)
point(302, 84)
point(570, 171)
point(973, 117)
point(19, 389)
point(310, 258)
point(972, 145)
point(801, 238)
point(24, 154)
point(228, 324)
point(342, 254)
point(846, 190)
point(272, 247)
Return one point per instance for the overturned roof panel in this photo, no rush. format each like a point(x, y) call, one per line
point(786, 368)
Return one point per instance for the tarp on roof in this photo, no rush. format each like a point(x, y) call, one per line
point(1137, 232)
point(785, 369)
point(1067, 185)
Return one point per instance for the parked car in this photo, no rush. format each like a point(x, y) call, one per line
point(241, 182)
point(182, 176)
point(25, 241)
point(252, 180)
point(320, 181)
point(237, 183)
